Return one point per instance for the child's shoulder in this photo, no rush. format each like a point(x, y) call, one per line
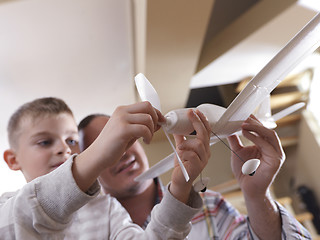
point(7, 195)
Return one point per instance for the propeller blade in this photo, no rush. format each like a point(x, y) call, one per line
point(146, 91)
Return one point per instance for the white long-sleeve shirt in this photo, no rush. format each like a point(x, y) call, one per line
point(53, 207)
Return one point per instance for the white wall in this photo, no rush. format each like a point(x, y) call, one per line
point(308, 154)
point(79, 50)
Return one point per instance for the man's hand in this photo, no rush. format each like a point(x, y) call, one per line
point(267, 148)
point(194, 152)
point(263, 213)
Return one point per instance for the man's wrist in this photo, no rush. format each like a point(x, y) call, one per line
point(261, 201)
point(181, 193)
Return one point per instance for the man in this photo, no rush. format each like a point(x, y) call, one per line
point(137, 197)
point(218, 220)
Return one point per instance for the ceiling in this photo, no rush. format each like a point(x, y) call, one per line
point(194, 46)
point(87, 52)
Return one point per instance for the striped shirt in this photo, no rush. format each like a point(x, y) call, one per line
point(220, 220)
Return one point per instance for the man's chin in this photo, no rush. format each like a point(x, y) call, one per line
point(137, 188)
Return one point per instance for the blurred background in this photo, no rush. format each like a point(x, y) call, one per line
point(193, 52)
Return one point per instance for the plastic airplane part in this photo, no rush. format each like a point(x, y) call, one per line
point(201, 184)
point(225, 122)
point(148, 93)
point(250, 167)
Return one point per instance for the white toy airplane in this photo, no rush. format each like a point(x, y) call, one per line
point(225, 122)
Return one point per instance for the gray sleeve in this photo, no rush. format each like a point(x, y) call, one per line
point(171, 218)
point(59, 195)
point(43, 207)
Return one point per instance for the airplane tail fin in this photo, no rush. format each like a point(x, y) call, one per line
point(264, 112)
point(288, 111)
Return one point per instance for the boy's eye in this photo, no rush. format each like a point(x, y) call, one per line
point(72, 142)
point(44, 142)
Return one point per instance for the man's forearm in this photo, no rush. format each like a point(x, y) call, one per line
point(264, 217)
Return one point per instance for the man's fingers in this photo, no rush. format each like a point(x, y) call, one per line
point(178, 139)
point(204, 121)
point(200, 125)
point(260, 135)
point(196, 146)
point(234, 142)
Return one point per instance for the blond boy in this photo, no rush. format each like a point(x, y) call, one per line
point(60, 199)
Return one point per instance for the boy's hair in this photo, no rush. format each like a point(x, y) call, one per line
point(87, 120)
point(37, 108)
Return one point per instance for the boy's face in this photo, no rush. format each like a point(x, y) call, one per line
point(118, 180)
point(45, 143)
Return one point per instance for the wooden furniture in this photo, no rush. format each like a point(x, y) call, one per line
point(232, 193)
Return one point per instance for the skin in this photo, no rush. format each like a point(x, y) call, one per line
point(139, 197)
point(262, 211)
point(127, 124)
point(141, 120)
point(136, 197)
point(43, 145)
point(118, 180)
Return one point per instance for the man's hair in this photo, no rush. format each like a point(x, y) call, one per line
point(37, 108)
point(88, 119)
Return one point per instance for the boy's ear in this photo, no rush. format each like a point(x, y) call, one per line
point(10, 158)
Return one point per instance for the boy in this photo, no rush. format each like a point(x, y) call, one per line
point(60, 198)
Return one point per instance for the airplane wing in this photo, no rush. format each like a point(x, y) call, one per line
point(161, 167)
point(168, 163)
point(288, 111)
point(301, 45)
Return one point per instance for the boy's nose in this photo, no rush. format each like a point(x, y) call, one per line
point(64, 148)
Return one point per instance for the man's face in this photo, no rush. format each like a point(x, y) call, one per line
point(118, 180)
point(45, 143)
